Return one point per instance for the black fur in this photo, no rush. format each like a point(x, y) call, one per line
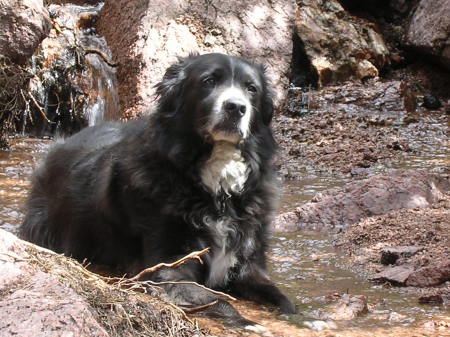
point(129, 195)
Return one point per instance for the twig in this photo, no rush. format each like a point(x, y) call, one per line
point(193, 255)
point(215, 292)
point(200, 307)
point(40, 108)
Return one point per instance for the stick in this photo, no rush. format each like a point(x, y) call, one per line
point(193, 255)
point(215, 292)
point(199, 308)
point(40, 108)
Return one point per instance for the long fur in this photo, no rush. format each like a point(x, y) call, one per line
point(131, 195)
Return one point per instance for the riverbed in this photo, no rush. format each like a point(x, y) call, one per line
point(305, 264)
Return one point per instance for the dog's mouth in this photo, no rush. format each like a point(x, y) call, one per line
point(224, 133)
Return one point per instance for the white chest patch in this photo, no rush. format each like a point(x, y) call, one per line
point(225, 170)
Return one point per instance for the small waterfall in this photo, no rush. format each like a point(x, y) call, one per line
point(74, 80)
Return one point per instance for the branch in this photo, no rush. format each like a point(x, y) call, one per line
point(193, 255)
point(40, 108)
point(215, 292)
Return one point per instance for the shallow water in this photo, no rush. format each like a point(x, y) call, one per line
point(309, 282)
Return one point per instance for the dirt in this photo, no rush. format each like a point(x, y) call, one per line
point(335, 142)
point(428, 228)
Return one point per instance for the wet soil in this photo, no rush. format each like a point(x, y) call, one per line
point(358, 144)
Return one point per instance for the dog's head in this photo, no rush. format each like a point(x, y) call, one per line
point(224, 98)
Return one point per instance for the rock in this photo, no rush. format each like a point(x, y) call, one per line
point(431, 299)
point(429, 30)
point(430, 276)
point(347, 307)
point(431, 102)
point(159, 31)
point(35, 303)
point(47, 294)
point(396, 317)
point(380, 194)
point(320, 325)
point(371, 97)
point(336, 45)
point(396, 275)
point(390, 255)
point(76, 80)
point(24, 24)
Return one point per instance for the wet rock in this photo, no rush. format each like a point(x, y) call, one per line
point(390, 255)
point(160, 31)
point(431, 299)
point(347, 307)
point(24, 24)
point(431, 102)
point(396, 317)
point(430, 276)
point(336, 45)
point(396, 275)
point(75, 80)
point(380, 194)
point(429, 29)
point(320, 325)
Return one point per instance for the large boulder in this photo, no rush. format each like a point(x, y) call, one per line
point(429, 29)
point(334, 46)
point(147, 36)
point(24, 24)
point(380, 194)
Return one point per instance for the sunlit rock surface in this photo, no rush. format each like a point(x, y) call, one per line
point(24, 24)
point(335, 45)
point(159, 31)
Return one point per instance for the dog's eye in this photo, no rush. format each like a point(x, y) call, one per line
point(252, 88)
point(210, 81)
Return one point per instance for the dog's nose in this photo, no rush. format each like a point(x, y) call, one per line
point(235, 107)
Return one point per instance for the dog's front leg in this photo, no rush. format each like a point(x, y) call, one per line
point(256, 286)
point(178, 283)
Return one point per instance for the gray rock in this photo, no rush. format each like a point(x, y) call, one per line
point(24, 24)
point(429, 29)
point(389, 255)
point(347, 307)
point(397, 275)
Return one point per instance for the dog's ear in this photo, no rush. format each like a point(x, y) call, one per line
point(168, 91)
point(267, 106)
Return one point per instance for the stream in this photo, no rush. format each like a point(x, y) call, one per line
point(304, 264)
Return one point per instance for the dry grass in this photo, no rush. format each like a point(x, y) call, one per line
point(140, 310)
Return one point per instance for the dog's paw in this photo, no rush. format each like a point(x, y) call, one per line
point(287, 307)
point(258, 329)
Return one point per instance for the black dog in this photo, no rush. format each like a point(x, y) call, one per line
point(196, 173)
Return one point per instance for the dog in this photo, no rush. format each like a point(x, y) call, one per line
point(195, 173)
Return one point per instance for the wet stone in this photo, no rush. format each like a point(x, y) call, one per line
point(347, 307)
point(431, 102)
point(390, 255)
point(430, 276)
point(396, 275)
